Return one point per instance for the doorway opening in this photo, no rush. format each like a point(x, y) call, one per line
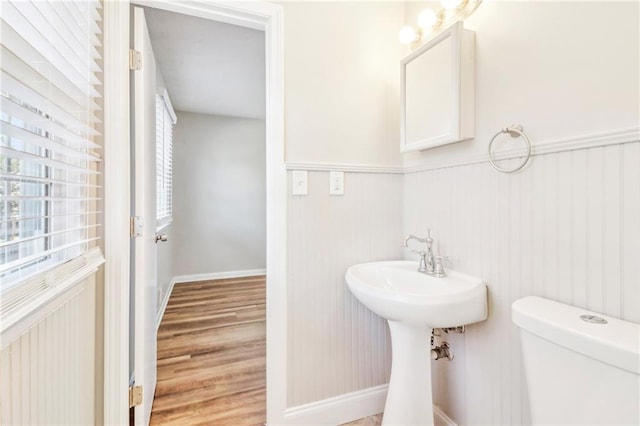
point(211, 341)
point(273, 180)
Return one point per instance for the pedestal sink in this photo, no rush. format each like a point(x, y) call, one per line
point(414, 303)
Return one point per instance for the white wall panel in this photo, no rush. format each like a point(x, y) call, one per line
point(630, 268)
point(47, 375)
point(219, 207)
point(336, 345)
point(566, 228)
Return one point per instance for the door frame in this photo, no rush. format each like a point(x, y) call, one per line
point(263, 16)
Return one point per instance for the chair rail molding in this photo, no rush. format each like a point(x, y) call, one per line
point(340, 167)
point(612, 137)
point(593, 140)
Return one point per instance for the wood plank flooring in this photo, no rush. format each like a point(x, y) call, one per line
point(211, 355)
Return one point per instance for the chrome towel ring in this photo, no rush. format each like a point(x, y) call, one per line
point(514, 131)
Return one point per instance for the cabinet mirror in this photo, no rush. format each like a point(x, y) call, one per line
point(437, 91)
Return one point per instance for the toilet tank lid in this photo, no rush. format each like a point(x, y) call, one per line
point(617, 342)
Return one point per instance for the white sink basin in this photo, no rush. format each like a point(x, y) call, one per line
point(414, 303)
point(398, 292)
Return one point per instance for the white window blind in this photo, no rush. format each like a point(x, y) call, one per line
point(50, 104)
point(165, 119)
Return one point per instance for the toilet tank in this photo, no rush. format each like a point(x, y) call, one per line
point(579, 371)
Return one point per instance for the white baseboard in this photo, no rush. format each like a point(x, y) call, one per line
point(163, 306)
point(218, 275)
point(339, 409)
point(349, 407)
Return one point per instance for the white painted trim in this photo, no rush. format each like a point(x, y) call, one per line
point(163, 305)
point(440, 418)
point(166, 100)
point(349, 407)
point(117, 211)
point(268, 18)
point(217, 275)
point(337, 167)
point(613, 137)
point(339, 409)
point(277, 326)
point(254, 15)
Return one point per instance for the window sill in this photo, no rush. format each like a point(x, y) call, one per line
point(17, 316)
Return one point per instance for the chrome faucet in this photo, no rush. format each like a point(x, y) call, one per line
point(427, 263)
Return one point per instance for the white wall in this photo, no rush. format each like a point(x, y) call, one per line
point(561, 69)
point(558, 229)
point(341, 82)
point(568, 226)
point(219, 194)
point(336, 345)
point(341, 90)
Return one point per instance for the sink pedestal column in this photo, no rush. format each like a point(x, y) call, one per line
point(409, 399)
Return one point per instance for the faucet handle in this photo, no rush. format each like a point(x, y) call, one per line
point(422, 266)
point(438, 268)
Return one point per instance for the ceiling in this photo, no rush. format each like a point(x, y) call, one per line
point(209, 67)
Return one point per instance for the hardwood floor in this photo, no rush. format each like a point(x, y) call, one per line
point(211, 355)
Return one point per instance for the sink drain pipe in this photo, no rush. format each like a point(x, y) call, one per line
point(443, 351)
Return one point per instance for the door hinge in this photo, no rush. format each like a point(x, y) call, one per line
point(135, 60)
point(135, 396)
point(136, 228)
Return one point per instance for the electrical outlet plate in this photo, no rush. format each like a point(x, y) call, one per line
point(336, 183)
point(299, 182)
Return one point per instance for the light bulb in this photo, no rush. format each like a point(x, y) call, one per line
point(407, 35)
point(427, 19)
point(450, 4)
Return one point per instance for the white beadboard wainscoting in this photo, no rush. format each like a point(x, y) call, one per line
point(336, 346)
point(566, 228)
point(48, 373)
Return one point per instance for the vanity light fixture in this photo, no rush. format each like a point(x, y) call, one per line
point(450, 4)
point(430, 21)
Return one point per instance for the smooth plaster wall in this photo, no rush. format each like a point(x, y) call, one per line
point(341, 82)
point(561, 69)
point(219, 194)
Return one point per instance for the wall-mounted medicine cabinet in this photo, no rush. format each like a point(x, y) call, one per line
point(437, 91)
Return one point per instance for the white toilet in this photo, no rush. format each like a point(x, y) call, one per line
point(581, 368)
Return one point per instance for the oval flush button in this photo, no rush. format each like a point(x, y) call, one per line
point(593, 319)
